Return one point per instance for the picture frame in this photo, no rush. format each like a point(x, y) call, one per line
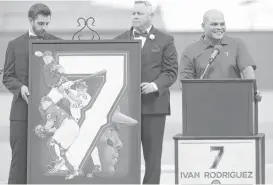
point(84, 112)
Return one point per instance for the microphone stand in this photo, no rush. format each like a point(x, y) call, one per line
point(210, 62)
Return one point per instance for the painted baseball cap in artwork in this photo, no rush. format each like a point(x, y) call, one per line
point(122, 119)
point(47, 53)
point(81, 85)
point(46, 98)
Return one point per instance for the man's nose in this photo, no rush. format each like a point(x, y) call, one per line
point(45, 26)
point(119, 144)
point(219, 26)
point(135, 16)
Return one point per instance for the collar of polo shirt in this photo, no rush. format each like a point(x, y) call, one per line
point(207, 44)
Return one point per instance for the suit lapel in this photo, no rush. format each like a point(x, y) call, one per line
point(26, 35)
point(26, 42)
point(147, 44)
point(129, 34)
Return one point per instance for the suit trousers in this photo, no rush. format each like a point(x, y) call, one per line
point(152, 132)
point(18, 144)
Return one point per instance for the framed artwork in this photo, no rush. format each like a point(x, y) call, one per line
point(84, 112)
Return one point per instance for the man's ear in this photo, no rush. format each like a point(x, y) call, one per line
point(152, 15)
point(203, 26)
point(30, 19)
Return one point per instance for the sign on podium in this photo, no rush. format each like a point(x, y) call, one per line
point(221, 160)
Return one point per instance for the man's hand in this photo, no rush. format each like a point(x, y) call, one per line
point(258, 96)
point(147, 88)
point(61, 89)
point(40, 131)
point(60, 70)
point(25, 93)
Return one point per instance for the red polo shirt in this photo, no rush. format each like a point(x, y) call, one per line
point(231, 61)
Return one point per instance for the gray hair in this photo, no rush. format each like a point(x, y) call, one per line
point(147, 4)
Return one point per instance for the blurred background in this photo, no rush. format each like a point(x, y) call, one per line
point(250, 20)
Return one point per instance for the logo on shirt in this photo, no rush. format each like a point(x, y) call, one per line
point(226, 53)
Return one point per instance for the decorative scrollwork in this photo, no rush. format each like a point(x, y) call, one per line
point(86, 21)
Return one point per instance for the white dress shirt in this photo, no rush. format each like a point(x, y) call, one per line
point(30, 33)
point(143, 39)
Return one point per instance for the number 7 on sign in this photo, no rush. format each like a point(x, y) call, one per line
point(108, 96)
point(218, 157)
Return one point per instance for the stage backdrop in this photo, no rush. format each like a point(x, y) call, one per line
point(84, 112)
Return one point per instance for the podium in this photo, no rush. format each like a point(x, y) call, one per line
point(220, 142)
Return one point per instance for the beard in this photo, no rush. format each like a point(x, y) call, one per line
point(39, 33)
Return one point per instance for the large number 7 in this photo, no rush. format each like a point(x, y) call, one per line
point(218, 157)
point(107, 98)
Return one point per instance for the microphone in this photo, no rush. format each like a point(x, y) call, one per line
point(215, 52)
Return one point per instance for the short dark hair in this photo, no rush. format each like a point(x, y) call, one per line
point(38, 9)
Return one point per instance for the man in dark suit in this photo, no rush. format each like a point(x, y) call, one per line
point(159, 68)
point(15, 78)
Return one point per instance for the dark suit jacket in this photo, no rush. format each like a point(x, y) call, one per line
point(159, 65)
point(16, 74)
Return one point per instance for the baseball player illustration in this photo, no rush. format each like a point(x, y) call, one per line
point(55, 77)
point(53, 72)
point(108, 147)
point(79, 99)
point(64, 128)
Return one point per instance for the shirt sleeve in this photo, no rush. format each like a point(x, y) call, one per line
point(42, 112)
point(169, 72)
point(52, 116)
point(10, 79)
point(187, 68)
point(243, 57)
